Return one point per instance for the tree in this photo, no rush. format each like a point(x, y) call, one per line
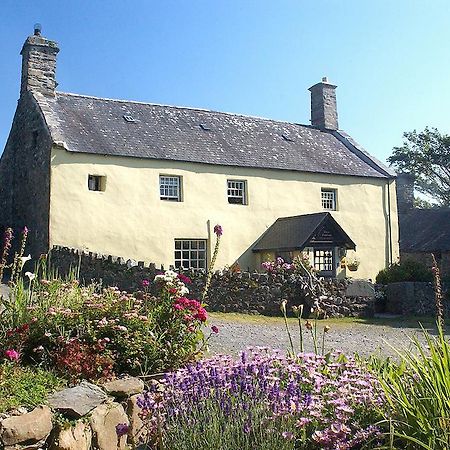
point(426, 155)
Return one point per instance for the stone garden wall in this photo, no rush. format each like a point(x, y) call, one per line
point(79, 418)
point(415, 299)
point(256, 293)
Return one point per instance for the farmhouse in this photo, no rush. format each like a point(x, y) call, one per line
point(149, 182)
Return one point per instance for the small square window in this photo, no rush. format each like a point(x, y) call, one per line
point(96, 183)
point(329, 199)
point(237, 192)
point(170, 188)
point(190, 257)
point(324, 261)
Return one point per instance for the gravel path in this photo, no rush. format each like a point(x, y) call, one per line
point(238, 332)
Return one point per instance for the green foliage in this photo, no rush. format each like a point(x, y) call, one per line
point(418, 394)
point(29, 387)
point(426, 154)
point(93, 333)
point(407, 270)
point(212, 427)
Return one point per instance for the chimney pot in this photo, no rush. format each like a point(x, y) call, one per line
point(37, 29)
point(323, 105)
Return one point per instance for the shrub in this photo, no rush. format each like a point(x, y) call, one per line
point(25, 386)
point(89, 332)
point(407, 270)
point(418, 393)
point(264, 401)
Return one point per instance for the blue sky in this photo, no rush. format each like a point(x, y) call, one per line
point(389, 58)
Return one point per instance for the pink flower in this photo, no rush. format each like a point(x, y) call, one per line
point(184, 279)
point(145, 283)
point(218, 230)
point(214, 329)
point(12, 355)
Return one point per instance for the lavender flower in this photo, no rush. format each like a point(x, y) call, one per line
point(331, 401)
point(122, 429)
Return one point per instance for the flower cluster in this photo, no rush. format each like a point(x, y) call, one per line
point(313, 401)
point(86, 332)
point(173, 283)
point(193, 309)
point(276, 266)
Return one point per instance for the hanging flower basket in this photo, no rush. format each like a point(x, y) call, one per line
point(353, 265)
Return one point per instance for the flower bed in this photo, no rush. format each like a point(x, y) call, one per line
point(265, 400)
point(92, 333)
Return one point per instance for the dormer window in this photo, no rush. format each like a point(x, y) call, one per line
point(96, 183)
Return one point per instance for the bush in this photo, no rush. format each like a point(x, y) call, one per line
point(93, 333)
point(407, 270)
point(264, 401)
point(25, 386)
point(418, 393)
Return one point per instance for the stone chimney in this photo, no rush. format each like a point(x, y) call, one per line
point(323, 105)
point(405, 192)
point(39, 64)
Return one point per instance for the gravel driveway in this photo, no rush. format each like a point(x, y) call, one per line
point(236, 332)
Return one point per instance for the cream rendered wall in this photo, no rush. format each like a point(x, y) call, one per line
point(128, 219)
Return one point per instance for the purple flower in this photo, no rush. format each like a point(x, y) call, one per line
point(288, 435)
point(218, 230)
point(122, 429)
point(145, 283)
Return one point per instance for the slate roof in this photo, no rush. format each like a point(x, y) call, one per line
point(425, 230)
point(295, 232)
point(97, 125)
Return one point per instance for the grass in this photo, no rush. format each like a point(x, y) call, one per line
point(28, 387)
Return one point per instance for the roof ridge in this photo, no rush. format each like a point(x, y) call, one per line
point(303, 215)
point(189, 108)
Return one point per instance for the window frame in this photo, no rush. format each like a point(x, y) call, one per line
point(99, 182)
point(193, 247)
point(244, 195)
point(333, 199)
point(329, 268)
point(179, 186)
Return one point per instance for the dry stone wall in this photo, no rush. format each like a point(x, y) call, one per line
point(415, 299)
point(101, 417)
point(255, 293)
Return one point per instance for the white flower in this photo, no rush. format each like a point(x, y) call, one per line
point(171, 274)
point(159, 278)
point(184, 290)
point(30, 275)
point(103, 322)
point(24, 259)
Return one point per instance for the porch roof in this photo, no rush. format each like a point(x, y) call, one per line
point(298, 232)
